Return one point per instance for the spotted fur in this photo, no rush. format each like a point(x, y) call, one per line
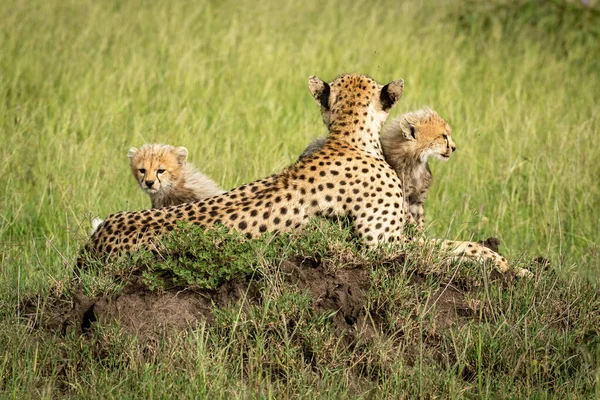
point(407, 143)
point(348, 176)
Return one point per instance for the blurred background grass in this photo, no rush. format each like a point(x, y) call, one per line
point(82, 81)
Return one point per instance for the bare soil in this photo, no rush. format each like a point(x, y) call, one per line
point(146, 313)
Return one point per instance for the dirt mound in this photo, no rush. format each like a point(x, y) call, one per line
point(341, 291)
point(338, 292)
point(144, 312)
point(331, 308)
point(309, 307)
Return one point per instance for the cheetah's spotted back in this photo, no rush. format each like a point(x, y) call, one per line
point(348, 176)
point(407, 143)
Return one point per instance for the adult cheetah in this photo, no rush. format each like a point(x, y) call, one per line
point(348, 176)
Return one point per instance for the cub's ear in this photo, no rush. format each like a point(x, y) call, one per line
point(132, 152)
point(181, 153)
point(412, 132)
point(320, 91)
point(391, 93)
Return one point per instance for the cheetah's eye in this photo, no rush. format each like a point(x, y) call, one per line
point(412, 132)
point(160, 171)
point(445, 137)
point(142, 170)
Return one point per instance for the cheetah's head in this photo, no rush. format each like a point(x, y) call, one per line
point(419, 134)
point(157, 167)
point(355, 92)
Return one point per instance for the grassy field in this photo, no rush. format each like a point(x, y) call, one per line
point(83, 81)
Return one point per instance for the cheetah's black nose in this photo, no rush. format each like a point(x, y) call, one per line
point(149, 183)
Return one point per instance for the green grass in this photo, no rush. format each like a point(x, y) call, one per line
point(530, 338)
point(82, 81)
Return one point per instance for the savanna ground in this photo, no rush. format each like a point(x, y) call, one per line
point(311, 314)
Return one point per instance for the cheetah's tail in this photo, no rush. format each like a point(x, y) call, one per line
point(95, 224)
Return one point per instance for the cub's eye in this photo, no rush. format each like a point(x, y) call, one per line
point(160, 171)
point(445, 137)
point(142, 170)
point(413, 133)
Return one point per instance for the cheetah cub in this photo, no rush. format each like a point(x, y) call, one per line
point(162, 171)
point(407, 143)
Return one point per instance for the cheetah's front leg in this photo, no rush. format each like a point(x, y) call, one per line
point(479, 252)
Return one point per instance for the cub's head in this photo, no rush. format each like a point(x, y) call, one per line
point(349, 93)
point(418, 135)
point(157, 167)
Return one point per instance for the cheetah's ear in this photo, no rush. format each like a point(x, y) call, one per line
point(391, 93)
point(132, 152)
point(405, 128)
point(181, 153)
point(320, 91)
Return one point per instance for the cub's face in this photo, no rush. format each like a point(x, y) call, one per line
point(157, 167)
point(433, 138)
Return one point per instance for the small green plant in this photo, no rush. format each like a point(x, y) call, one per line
point(203, 258)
